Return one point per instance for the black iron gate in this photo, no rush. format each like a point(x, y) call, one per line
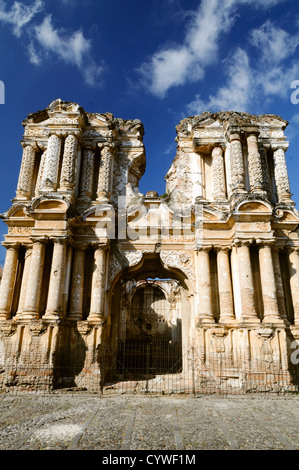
point(144, 359)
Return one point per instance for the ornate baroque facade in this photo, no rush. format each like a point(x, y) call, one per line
point(93, 265)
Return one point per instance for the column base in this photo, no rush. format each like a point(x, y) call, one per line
point(27, 316)
point(248, 320)
point(273, 320)
point(51, 316)
point(4, 316)
point(95, 318)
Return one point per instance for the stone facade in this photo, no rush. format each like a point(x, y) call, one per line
point(93, 265)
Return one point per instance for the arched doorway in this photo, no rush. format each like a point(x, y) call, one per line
point(149, 323)
point(150, 341)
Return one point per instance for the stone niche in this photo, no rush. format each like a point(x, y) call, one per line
point(103, 285)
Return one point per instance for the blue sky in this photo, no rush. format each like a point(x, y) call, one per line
point(157, 60)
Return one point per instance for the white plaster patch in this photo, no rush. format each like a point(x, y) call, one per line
point(58, 431)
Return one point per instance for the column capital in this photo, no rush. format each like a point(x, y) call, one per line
point(83, 246)
point(43, 239)
point(60, 240)
point(11, 245)
point(261, 242)
point(205, 249)
point(220, 248)
point(239, 243)
point(234, 133)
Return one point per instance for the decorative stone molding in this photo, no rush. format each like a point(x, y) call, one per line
point(182, 260)
point(37, 328)
point(8, 328)
point(84, 328)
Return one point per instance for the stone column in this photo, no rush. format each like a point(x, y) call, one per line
point(219, 182)
point(279, 283)
point(281, 176)
point(54, 308)
point(204, 288)
point(236, 161)
point(105, 174)
point(293, 254)
point(68, 170)
point(40, 172)
point(26, 271)
point(254, 163)
point(35, 279)
point(77, 283)
point(225, 286)
point(50, 177)
point(8, 280)
point(246, 283)
point(98, 286)
point(24, 187)
point(269, 290)
point(87, 174)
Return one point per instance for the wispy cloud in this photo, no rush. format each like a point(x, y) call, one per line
point(71, 47)
point(179, 64)
point(234, 94)
point(19, 15)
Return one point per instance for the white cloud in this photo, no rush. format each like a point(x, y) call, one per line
point(274, 43)
point(71, 48)
point(187, 62)
point(235, 94)
point(19, 15)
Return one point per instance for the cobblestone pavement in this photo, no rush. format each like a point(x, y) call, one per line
point(79, 421)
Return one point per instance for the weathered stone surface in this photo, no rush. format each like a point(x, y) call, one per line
point(209, 270)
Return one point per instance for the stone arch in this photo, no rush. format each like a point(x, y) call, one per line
point(171, 315)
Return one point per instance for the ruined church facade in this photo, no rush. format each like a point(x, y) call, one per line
point(102, 283)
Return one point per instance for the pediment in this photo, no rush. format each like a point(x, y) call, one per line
point(254, 206)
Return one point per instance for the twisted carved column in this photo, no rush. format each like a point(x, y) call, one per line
point(68, 170)
point(50, 177)
point(98, 285)
point(237, 163)
point(225, 285)
point(87, 174)
point(204, 288)
point(40, 172)
point(8, 280)
point(281, 176)
point(254, 163)
point(57, 279)
point(218, 173)
point(105, 174)
point(24, 187)
point(269, 289)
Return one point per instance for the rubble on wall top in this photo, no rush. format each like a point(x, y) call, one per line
point(233, 118)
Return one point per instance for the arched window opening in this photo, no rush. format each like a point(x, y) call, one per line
point(150, 331)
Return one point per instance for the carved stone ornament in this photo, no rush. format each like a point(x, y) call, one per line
point(37, 328)
point(8, 328)
point(84, 328)
point(182, 260)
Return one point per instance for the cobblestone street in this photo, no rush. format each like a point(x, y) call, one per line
point(79, 421)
